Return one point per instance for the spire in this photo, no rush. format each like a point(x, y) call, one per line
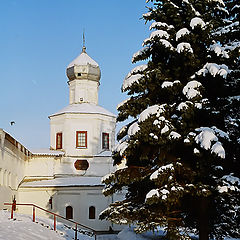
point(84, 47)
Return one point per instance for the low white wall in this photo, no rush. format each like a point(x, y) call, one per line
point(13, 157)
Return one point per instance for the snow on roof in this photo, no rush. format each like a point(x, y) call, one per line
point(82, 59)
point(46, 151)
point(84, 108)
point(64, 182)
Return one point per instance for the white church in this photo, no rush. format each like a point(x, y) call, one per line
point(66, 178)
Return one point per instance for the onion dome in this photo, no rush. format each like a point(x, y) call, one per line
point(83, 67)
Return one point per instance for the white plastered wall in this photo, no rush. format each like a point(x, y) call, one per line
point(12, 168)
point(79, 198)
point(94, 124)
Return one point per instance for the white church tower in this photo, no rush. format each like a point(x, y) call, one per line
point(66, 178)
point(83, 130)
point(84, 75)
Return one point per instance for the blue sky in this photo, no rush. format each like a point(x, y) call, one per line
point(39, 38)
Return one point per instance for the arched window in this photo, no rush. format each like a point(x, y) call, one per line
point(92, 212)
point(69, 212)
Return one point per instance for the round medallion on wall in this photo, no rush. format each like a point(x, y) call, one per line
point(81, 164)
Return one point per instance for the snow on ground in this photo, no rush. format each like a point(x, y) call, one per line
point(22, 228)
point(129, 234)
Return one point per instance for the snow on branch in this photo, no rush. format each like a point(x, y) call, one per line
point(220, 133)
point(138, 69)
point(166, 44)
point(173, 4)
point(184, 46)
point(107, 177)
point(182, 32)
point(193, 9)
point(184, 105)
point(122, 103)
point(148, 14)
point(219, 50)
point(122, 129)
point(208, 140)
point(158, 33)
point(191, 89)
point(153, 192)
point(197, 21)
point(140, 53)
point(232, 45)
point(121, 147)
point(214, 69)
point(133, 129)
point(163, 124)
point(152, 110)
point(231, 179)
point(129, 81)
point(122, 165)
point(163, 169)
point(157, 25)
point(230, 183)
point(157, 193)
point(168, 84)
point(174, 135)
point(219, 1)
point(226, 29)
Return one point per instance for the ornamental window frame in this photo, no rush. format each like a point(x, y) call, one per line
point(105, 141)
point(59, 141)
point(79, 142)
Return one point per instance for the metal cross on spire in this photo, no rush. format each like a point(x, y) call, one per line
point(84, 47)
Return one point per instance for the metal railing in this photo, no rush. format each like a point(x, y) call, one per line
point(54, 217)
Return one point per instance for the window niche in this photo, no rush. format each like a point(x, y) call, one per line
point(69, 212)
point(92, 212)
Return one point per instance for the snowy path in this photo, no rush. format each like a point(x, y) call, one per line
point(22, 228)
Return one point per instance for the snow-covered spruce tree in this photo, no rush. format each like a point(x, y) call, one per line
point(176, 152)
point(228, 106)
point(229, 37)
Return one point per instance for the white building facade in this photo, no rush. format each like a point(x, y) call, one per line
point(66, 178)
